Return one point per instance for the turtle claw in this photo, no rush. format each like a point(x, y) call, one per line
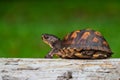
point(48, 56)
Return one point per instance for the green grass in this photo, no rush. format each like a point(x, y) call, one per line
point(22, 23)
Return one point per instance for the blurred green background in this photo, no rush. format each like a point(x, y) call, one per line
point(23, 22)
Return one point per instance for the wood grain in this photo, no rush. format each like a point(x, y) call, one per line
point(59, 69)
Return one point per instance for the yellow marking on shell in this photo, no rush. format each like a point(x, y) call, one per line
point(95, 39)
point(78, 55)
point(105, 43)
point(74, 48)
point(97, 33)
point(105, 55)
point(66, 51)
point(85, 35)
point(99, 55)
point(74, 34)
point(63, 56)
point(78, 49)
point(66, 37)
point(64, 48)
point(61, 50)
point(77, 31)
point(71, 50)
point(68, 47)
point(95, 55)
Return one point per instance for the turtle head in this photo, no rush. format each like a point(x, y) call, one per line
point(54, 42)
point(51, 40)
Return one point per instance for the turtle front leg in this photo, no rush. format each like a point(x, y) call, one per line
point(48, 56)
point(51, 53)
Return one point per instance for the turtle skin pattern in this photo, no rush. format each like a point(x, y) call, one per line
point(84, 43)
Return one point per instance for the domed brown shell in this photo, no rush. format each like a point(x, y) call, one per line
point(85, 44)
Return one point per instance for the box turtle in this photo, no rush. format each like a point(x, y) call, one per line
point(79, 44)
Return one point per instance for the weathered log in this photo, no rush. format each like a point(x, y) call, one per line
point(59, 69)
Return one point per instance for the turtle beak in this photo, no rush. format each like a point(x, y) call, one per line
point(42, 36)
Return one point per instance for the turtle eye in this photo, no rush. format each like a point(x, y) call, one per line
point(46, 37)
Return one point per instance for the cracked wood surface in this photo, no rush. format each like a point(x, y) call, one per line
point(59, 69)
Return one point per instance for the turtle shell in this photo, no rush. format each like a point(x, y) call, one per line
point(85, 44)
